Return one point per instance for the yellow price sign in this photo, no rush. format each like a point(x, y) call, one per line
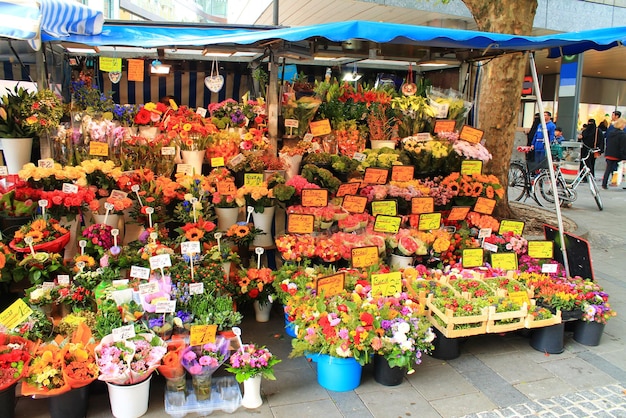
point(217, 162)
point(317, 198)
point(506, 225)
point(387, 284)
point(100, 149)
point(402, 172)
point(202, 334)
point(519, 298)
point(385, 223)
point(472, 257)
point(541, 249)
point(385, 207)
point(348, 188)
point(422, 205)
point(429, 221)
point(354, 204)
point(504, 261)
point(109, 65)
point(470, 167)
point(458, 213)
point(364, 256)
point(320, 127)
point(252, 179)
point(331, 285)
point(375, 175)
point(15, 314)
point(300, 223)
point(484, 205)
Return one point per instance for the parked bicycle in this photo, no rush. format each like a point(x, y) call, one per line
point(521, 175)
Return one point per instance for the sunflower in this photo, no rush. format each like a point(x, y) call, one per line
point(194, 234)
point(38, 225)
point(37, 236)
point(241, 231)
point(88, 260)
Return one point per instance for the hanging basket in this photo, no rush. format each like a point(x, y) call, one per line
point(55, 246)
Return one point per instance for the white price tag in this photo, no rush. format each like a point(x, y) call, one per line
point(47, 285)
point(134, 188)
point(160, 261)
point(423, 137)
point(490, 247)
point(484, 233)
point(359, 156)
point(69, 188)
point(308, 137)
point(123, 333)
point(165, 306)
point(201, 111)
point(118, 194)
point(4, 171)
point(121, 282)
point(168, 151)
point(186, 169)
point(196, 288)
point(148, 288)
point(63, 280)
point(140, 272)
point(291, 123)
point(237, 159)
point(190, 247)
point(549, 268)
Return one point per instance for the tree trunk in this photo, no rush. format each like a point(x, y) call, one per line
point(502, 79)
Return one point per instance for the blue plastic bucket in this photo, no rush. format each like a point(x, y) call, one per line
point(338, 374)
point(290, 327)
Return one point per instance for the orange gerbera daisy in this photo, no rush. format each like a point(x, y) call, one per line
point(37, 236)
point(194, 234)
point(38, 225)
point(88, 260)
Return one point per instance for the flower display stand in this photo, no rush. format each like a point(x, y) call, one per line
point(456, 326)
point(445, 348)
point(225, 396)
point(506, 321)
point(530, 322)
point(588, 333)
point(337, 374)
point(129, 401)
point(549, 339)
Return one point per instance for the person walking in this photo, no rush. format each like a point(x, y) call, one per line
point(530, 135)
point(614, 116)
point(615, 150)
point(538, 144)
point(591, 138)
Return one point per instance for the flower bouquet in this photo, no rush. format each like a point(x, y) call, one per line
point(45, 373)
point(14, 359)
point(172, 368)
point(250, 361)
point(259, 197)
point(255, 284)
point(47, 235)
point(201, 361)
point(79, 361)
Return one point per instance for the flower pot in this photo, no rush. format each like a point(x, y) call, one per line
point(262, 311)
point(252, 393)
point(202, 386)
point(264, 221)
point(16, 152)
point(445, 348)
point(55, 246)
point(290, 327)
point(72, 404)
point(548, 339)
point(385, 374)
point(129, 401)
point(194, 158)
point(398, 262)
point(7, 401)
point(226, 217)
point(338, 374)
point(378, 144)
point(588, 333)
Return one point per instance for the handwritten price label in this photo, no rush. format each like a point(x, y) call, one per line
point(202, 334)
point(217, 162)
point(471, 135)
point(317, 198)
point(186, 169)
point(252, 179)
point(402, 172)
point(160, 261)
point(148, 288)
point(118, 194)
point(165, 306)
point(484, 205)
point(196, 288)
point(190, 247)
point(331, 285)
point(387, 284)
point(390, 224)
point(300, 223)
point(458, 213)
point(69, 188)
point(168, 151)
point(541, 249)
point(140, 272)
point(364, 256)
point(100, 149)
point(354, 204)
point(385, 207)
point(429, 221)
point(4, 170)
point(63, 280)
point(348, 188)
point(422, 205)
point(472, 257)
point(445, 126)
point(470, 167)
point(123, 333)
point(45, 163)
point(15, 314)
point(504, 261)
point(320, 127)
point(226, 188)
point(375, 175)
point(517, 227)
point(291, 123)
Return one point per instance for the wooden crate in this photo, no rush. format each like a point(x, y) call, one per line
point(531, 322)
point(518, 318)
point(452, 330)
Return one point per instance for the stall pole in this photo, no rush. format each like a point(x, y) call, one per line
point(272, 102)
point(557, 202)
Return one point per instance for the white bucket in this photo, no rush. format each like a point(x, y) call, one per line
point(16, 152)
point(129, 401)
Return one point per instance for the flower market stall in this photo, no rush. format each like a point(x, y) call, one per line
point(139, 258)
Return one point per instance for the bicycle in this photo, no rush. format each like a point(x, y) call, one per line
point(521, 174)
point(544, 193)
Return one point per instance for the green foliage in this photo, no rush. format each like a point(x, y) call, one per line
point(13, 113)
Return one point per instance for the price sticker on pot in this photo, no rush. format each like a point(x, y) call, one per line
point(472, 257)
point(45, 163)
point(519, 298)
point(139, 272)
point(202, 334)
point(168, 151)
point(385, 207)
point(471, 135)
point(160, 261)
point(354, 204)
point(252, 179)
point(390, 224)
point(458, 213)
point(15, 314)
point(541, 249)
point(516, 227)
point(445, 126)
point(364, 256)
point(429, 221)
point(123, 333)
point(186, 169)
point(300, 223)
point(316, 198)
point(348, 188)
point(504, 261)
point(4, 170)
point(190, 247)
point(422, 205)
point(375, 175)
point(63, 280)
point(402, 172)
point(470, 167)
point(226, 188)
point(99, 149)
point(196, 288)
point(484, 205)
point(165, 306)
point(148, 288)
point(69, 188)
point(118, 194)
point(331, 285)
point(387, 284)
point(217, 162)
point(320, 127)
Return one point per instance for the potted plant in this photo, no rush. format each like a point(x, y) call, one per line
point(255, 285)
point(250, 364)
point(596, 312)
point(17, 135)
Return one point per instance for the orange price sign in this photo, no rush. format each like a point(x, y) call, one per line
point(484, 205)
point(429, 221)
point(445, 125)
point(422, 205)
point(354, 204)
point(348, 188)
point(375, 175)
point(387, 284)
point(385, 207)
point(320, 127)
point(300, 223)
point(384, 223)
point(100, 149)
point(402, 172)
point(331, 285)
point(226, 188)
point(202, 334)
point(458, 213)
point(470, 167)
point(364, 256)
point(470, 134)
point(317, 198)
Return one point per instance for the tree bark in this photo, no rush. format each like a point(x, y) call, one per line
point(499, 99)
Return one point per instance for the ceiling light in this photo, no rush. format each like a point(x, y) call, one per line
point(83, 50)
point(158, 68)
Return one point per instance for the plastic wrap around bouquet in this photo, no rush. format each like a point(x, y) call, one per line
point(131, 361)
point(206, 358)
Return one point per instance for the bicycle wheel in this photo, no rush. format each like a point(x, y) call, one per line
point(517, 182)
point(595, 192)
point(544, 195)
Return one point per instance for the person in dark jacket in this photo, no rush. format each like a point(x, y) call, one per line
point(615, 150)
point(592, 138)
point(530, 156)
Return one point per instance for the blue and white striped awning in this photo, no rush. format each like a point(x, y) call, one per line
point(28, 19)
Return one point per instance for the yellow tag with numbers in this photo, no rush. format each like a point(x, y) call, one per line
point(252, 179)
point(387, 284)
point(202, 334)
point(15, 314)
point(100, 149)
